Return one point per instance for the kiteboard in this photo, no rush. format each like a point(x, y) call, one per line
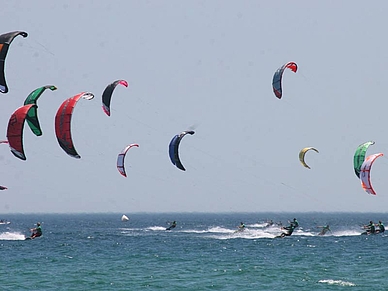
point(369, 233)
point(31, 238)
point(239, 230)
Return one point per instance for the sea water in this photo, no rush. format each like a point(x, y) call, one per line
point(204, 252)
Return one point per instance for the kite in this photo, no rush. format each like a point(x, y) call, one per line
point(32, 98)
point(15, 130)
point(359, 156)
point(173, 149)
point(63, 122)
point(365, 173)
point(121, 157)
point(107, 95)
point(5, 42)
point(277, 78)
point(303, 152)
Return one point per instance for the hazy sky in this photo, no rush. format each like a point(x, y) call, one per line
point(206, 66)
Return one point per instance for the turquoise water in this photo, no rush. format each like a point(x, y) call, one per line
point(99, 252)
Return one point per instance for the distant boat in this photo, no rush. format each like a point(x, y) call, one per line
point(4, 222)
point(124, 218)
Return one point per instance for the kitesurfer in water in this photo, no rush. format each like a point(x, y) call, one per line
point(324, 230)
point(173, 225)
point(37, 231)
point(288, 230)
point(370, 228)
point(241, 227)
point(381, 227)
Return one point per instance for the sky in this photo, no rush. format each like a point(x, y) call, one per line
point(205, 66)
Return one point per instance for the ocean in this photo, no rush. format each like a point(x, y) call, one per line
point(204, 252)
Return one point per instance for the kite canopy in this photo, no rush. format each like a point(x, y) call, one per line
point(124, 218)
point(359, 156)
point(174, 147)
point(365, 173)
point(5, 42)
point(277, 78)
point(107, 95)
point(32, 98)
point(15, 130)
point(121, 157)
point(303, 152)
point(63, 123)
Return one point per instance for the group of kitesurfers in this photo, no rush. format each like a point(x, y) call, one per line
point(371, 228)
point(288, 230)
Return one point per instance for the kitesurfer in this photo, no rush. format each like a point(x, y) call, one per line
point(370, 228)
point(37, 231)
point(173, 225)
point(241, 227)
point(381, 227)
point(324, 230)
point(288, 230)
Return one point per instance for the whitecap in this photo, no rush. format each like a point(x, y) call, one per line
point(12, 236)
point(337, 282)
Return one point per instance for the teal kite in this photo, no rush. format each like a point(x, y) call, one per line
point(32, 118)
point(359, 156)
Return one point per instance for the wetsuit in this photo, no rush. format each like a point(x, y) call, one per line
point(381, 227)
point(324, 230)
point(295, 223)
point(173, 225)
point(290, 230)
point(371, 228)
point(38, 232)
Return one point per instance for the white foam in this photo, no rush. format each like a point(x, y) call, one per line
point(337, 282)
point(12, 236)
point(156, 228)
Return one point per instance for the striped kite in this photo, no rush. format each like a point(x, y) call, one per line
point(121, 157)
point(365, 173)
